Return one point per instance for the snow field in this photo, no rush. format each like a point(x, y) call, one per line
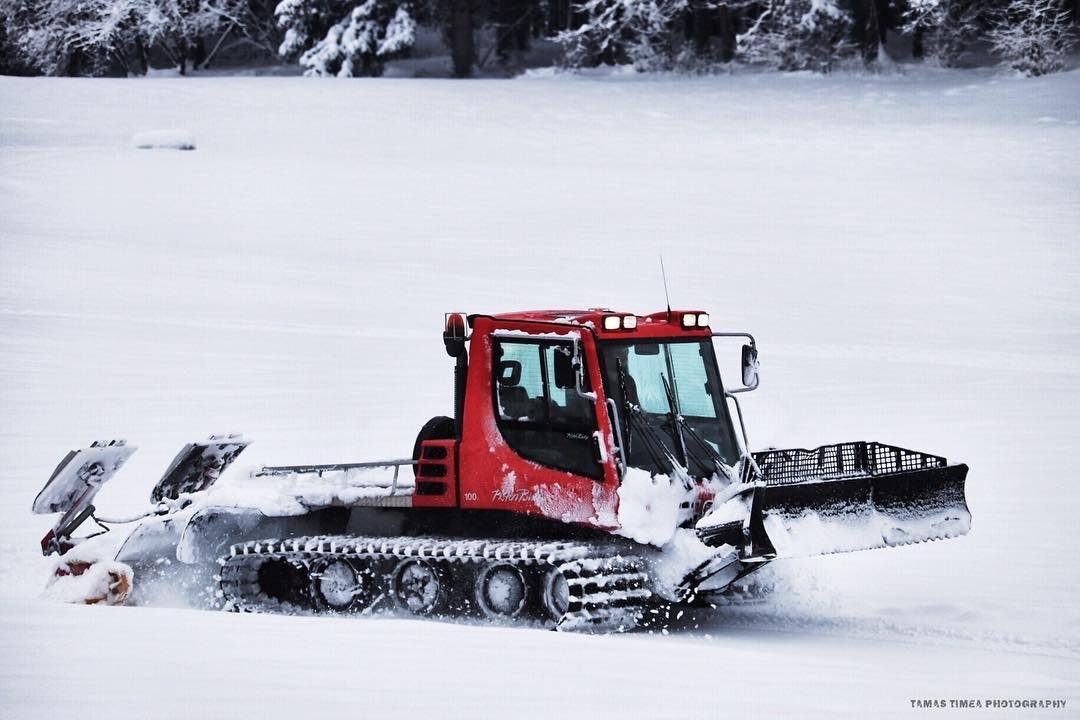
point(902, 247)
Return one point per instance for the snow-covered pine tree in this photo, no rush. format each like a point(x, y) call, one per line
point(35, 39)
point(944, 30)
point(797, 35)
point(714, 26)
point(305, 22)
point(458, 33)
point(76, 37)
point(921, 18)
point(9, 59)
point(1033, 36)
point(345, 39)
point(511, 20)
point(867, 23)
point(178, 27)
point(64, 37)
point(615, 31)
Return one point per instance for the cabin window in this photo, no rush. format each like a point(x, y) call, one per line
point(539, 410)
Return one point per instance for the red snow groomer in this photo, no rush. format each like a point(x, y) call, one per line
point(591, 467)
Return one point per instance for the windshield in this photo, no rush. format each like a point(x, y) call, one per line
point(646, 379)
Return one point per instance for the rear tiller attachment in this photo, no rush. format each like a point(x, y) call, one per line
point(82, 473)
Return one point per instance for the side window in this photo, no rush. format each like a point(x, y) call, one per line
point(567, 406)
point(520, 382)
point(539, 411)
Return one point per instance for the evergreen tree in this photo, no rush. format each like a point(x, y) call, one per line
point(798, 35)
point(944, 30)
point(342, 39)
point(636, 31)
point(459, 34)
point(92, 37)
point(1033, 36)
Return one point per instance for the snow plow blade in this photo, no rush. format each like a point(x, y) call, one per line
point(848, 497)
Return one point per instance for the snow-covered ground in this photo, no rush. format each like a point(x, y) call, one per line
point(904, 247)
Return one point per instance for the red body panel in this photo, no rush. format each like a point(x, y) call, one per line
point(75, 567)
point(495, 477)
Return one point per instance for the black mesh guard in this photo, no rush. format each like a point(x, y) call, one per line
point(844, 460)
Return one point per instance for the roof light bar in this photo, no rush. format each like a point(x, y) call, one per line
point(620, 322)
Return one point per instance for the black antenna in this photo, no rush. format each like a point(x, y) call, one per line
point(666, 296)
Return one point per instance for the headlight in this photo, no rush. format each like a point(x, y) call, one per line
point(629, 322)
point(689, 320)
point(612, 322)
point(703, 320)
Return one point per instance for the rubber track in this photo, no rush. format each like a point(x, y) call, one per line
point(608, 590)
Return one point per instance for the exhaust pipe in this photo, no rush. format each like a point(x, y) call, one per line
point(454, 337)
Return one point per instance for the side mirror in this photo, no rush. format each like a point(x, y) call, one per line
point(577, 370)
point(454, 334)
point(749, 366)
point(565, 373)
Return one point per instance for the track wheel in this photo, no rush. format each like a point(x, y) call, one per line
point(337, 586)
point(501, 590)
point(556, 594)
point(284, 580)
point(417, 587)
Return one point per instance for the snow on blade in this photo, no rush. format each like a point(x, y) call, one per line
point(813, 533)
point(730, 506)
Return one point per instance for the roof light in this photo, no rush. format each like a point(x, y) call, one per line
point(689, 320)
point(629, 322)
point(703, 320)
point(612, 322)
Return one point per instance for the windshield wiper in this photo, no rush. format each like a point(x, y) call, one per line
point(653, 441)
point(626, 402)
point(676, 421)
point(683, 429)
point(710, 453)
point(650, 437)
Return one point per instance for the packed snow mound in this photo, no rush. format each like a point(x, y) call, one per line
point(103, 582)
point(164, 139)
point(683, 552)
point(649, 509)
